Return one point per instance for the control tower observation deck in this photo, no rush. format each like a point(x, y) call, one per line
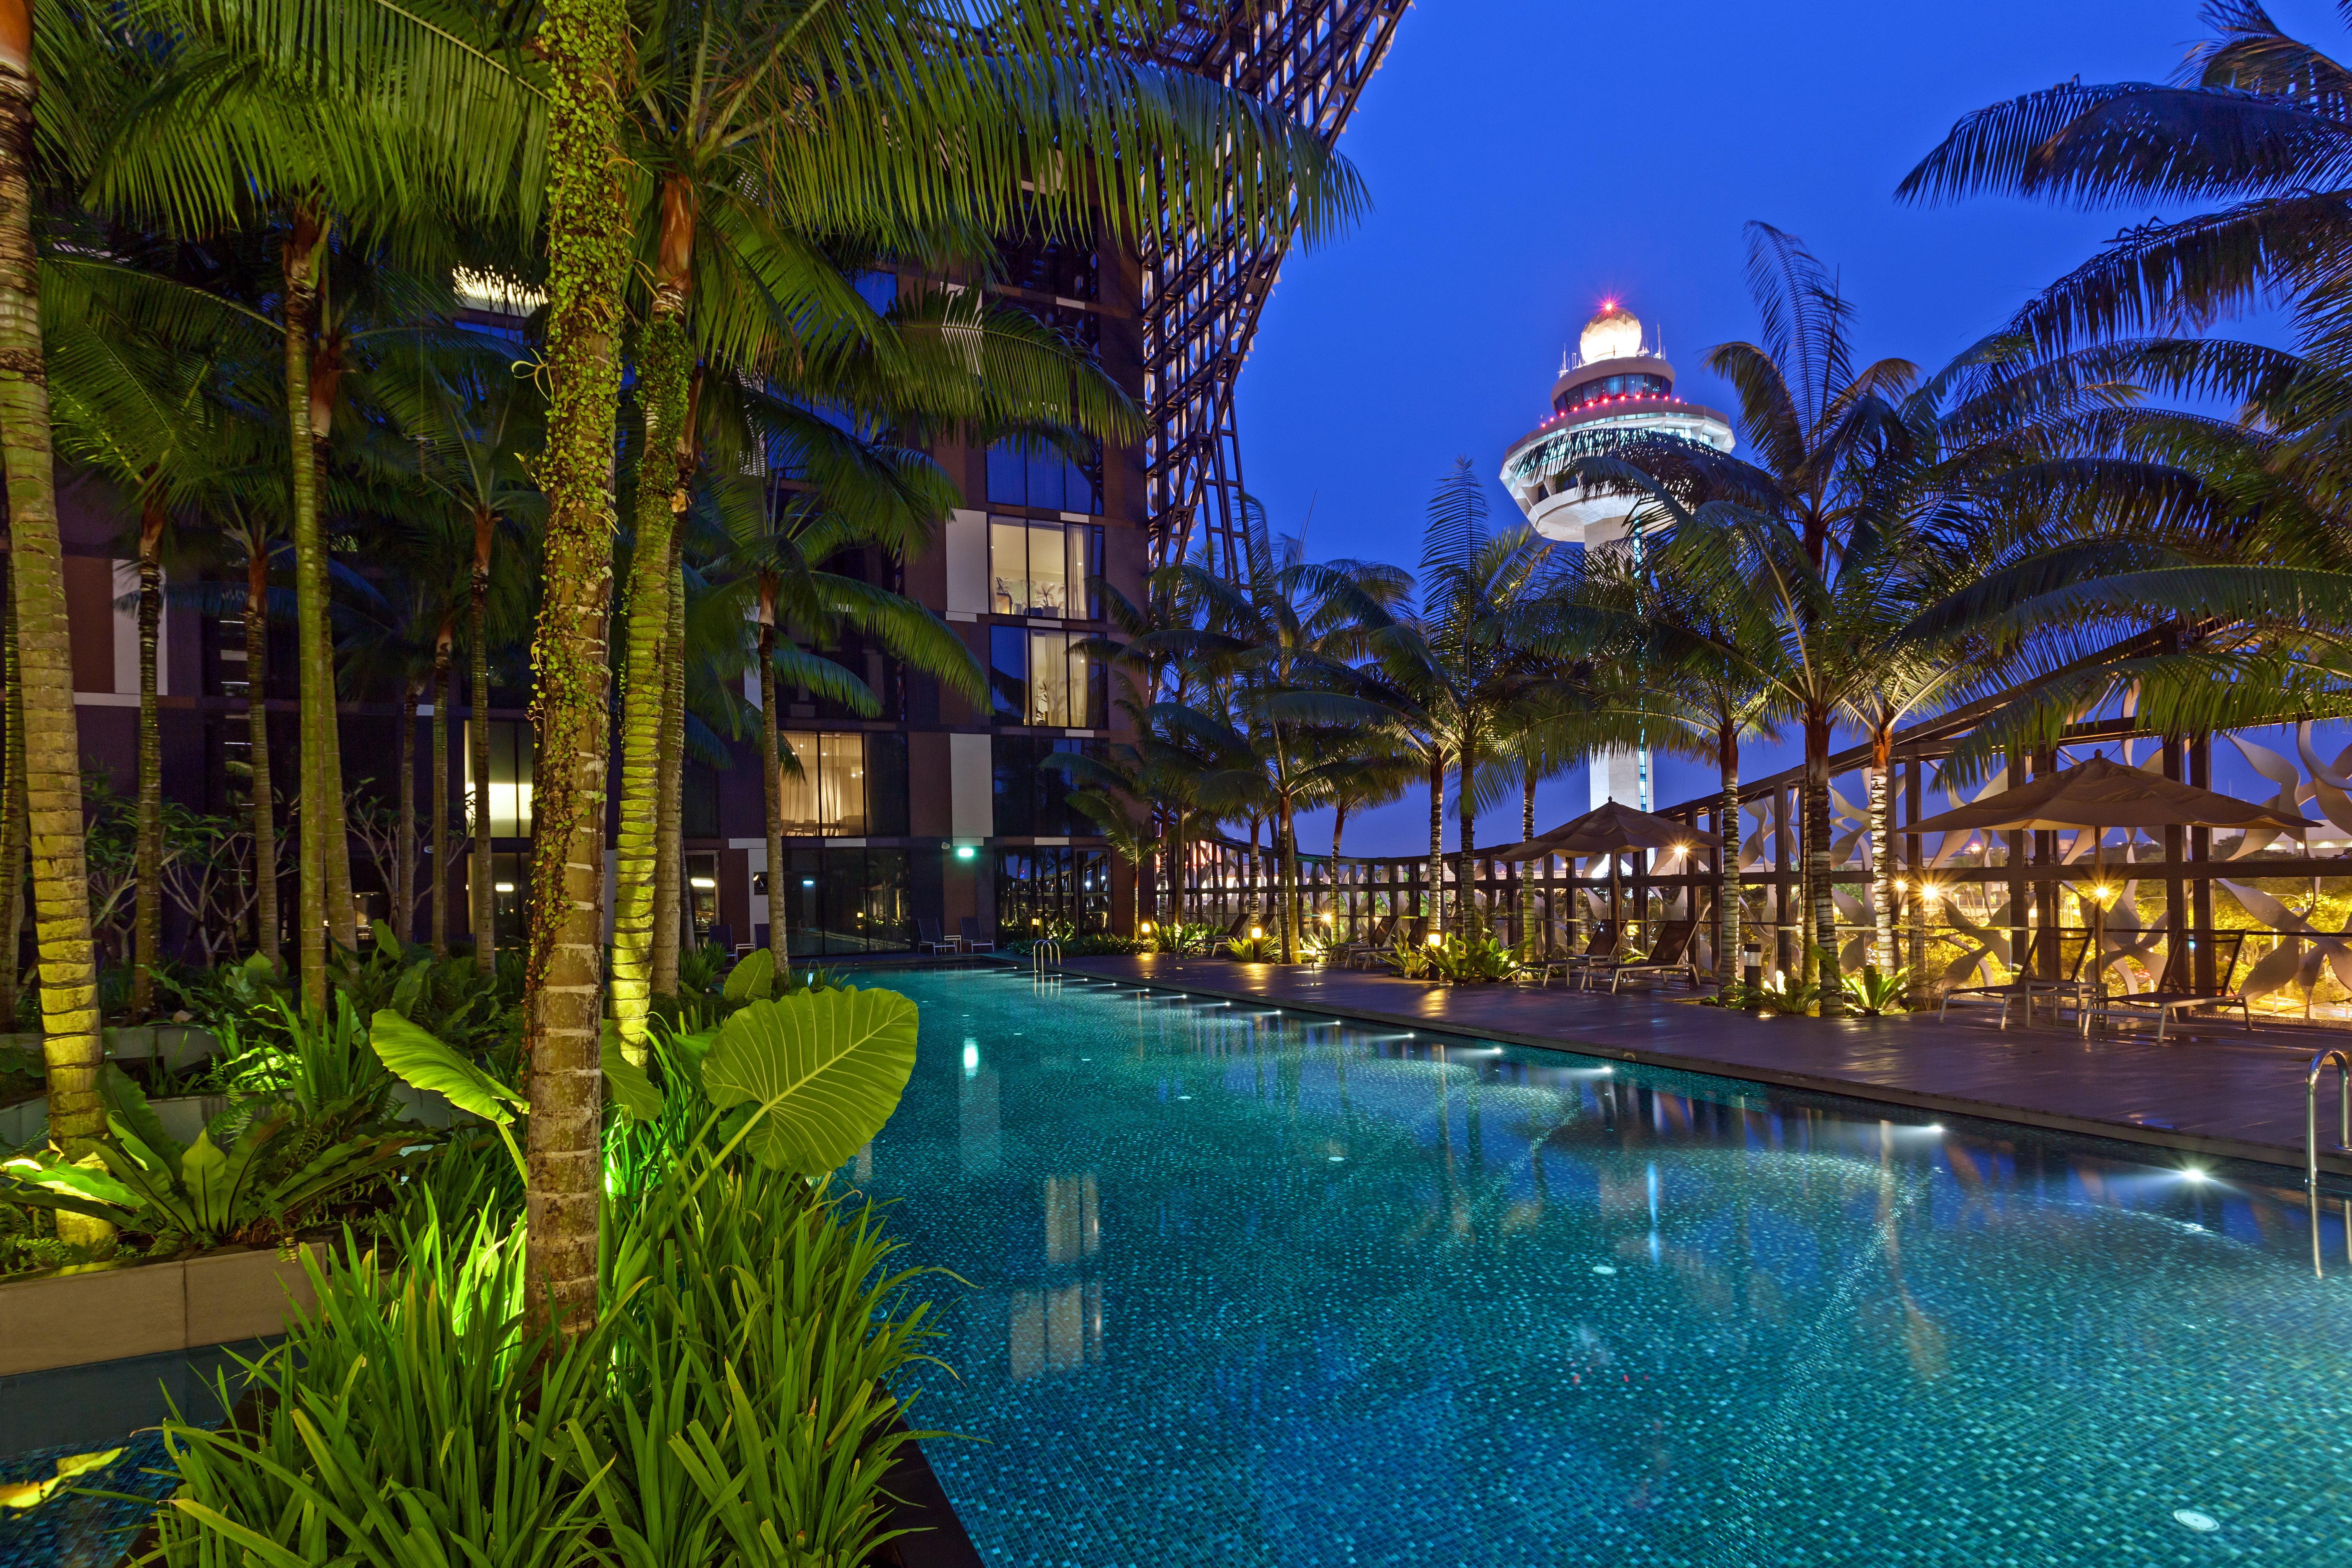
point(1614, 390)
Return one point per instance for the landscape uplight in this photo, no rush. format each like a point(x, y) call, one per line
point(1147, 928)
point(1435, 939)
point(1256, 933)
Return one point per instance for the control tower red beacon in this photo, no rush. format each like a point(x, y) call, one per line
point(1613, 389)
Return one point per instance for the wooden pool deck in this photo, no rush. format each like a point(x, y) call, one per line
point(2216, 1092)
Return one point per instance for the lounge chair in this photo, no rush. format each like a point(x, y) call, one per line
point(1600, 941)
point(972, 941)
point(927, 935)
point(1368, 951)
point(2176, 989)
point(1670, 954)
point(2058, 949)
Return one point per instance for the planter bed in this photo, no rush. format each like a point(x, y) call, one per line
point(214, 1297)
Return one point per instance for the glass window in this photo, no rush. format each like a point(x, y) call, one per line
point(1045, 568)
point(1052, 884)
point(1047, 679)
point(1035, 474)
point(827, 795)
point(1008, 673)
point(842, 900)
point(510, 778)
point(1049, 570)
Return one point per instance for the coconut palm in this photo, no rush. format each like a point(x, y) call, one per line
point(766, 135)
point(2255, 120)
point(471, 425)
point(337, 121)
point(70, 1041)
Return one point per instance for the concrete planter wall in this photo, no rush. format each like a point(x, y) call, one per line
point(215, 1298)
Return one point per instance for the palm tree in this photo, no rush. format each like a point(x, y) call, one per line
point(292, 107)
point(72, 1045)
point(2255, 120)
point(471, 425)
point(767, 136)
point(1462, 677)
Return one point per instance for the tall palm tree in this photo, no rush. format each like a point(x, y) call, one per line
point(72, 1045)
point(767, 135)
point(1463, 678)
point(471, 425)
point(2255, 120)
point(339, 119)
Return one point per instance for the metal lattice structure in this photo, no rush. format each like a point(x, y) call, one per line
point(1203, 291)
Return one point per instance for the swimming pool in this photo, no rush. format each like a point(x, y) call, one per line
point(1250, 1288)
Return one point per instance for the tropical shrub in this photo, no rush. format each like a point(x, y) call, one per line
point(267, 1179)
point(1255, 949)
point(1463, 960)
point(1191, 937)
point(1874, 993)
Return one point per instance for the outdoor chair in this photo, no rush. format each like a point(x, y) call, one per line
point(927, 935)
point(972, 941)
point(1599, 947)
point(1670, 954)
point(1380, 940)
point(2058, 949)
point(2176, 990)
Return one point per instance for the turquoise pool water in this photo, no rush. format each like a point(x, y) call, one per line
point(1252, 1289)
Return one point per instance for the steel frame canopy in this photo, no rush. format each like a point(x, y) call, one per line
point(1202, 291)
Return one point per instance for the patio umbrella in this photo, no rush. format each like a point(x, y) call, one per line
point(2099, 795)
point(1612, 830)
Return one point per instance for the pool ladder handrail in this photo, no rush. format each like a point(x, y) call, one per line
point(1038, 961)
point(2338, 1059)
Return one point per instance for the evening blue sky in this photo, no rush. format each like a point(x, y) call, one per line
point(1527, 157)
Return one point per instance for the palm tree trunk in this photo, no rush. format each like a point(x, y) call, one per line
point(670, 908)
point(13, 834)
point(1820, 901)
point(1727, 861)
point(342, 909)
point(256, 719)
point(315, 727)
point(588, 255)
point(70, 1043)
point(486, 939)
point(1338, 825)
point(403, 873)
point(147, 907)
point(770, 763)
point(1287, 826)
point(1465, 888)
point(1527, 831)
point(664, 362)
point(1882, 847)
point(444, 690)
point(1434, 903)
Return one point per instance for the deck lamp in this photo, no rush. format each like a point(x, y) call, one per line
point(1147, 928)
point(1435, 939)
point(1256, 933)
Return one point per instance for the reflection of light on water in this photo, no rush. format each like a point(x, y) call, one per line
point(971, 1058)
point(1055, 1331)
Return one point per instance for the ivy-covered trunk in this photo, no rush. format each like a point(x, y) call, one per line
point(771, 763)
point(478, 727)
point(669, 844)
point(257, 721)
point(664, 363)
point(70, 1043)
point(147, 893)
point(11, 809)
point(1727, 859)
point(304, 243)
point(1821, 900)
point(444, 683)
point(588, 259)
